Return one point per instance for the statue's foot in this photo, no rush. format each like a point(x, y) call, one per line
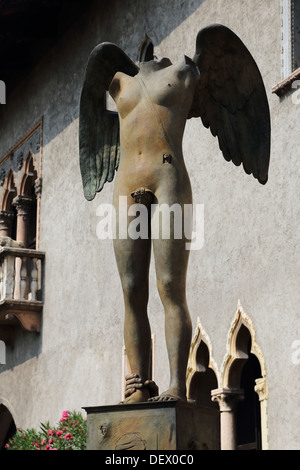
point(138, 396)
point(169, 395)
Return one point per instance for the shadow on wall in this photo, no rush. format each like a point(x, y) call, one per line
point(97, 24)
point(115, 20)
point(18, 347)
point(7, 426)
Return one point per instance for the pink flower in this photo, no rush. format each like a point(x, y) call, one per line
point(58, 433)
point(50, 441)
point(64, 416)
point(68, 436)
point(43, 442)
point(50, 432)
point(47, 447)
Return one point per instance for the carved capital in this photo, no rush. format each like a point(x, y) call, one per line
point(227, 398)
point(261, 388)
point(23, 204)
point(6, 219)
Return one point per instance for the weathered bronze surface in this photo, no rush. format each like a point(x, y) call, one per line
point(172, 425)
point(223, 86)
point(167, 158)
point(143, 196)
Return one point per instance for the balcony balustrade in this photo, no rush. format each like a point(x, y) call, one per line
point(21, 288)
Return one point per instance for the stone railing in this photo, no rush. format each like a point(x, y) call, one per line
point(21, 287)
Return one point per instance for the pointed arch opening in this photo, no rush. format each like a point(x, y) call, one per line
point(9, 193)
point(243, 373)
point(26, 204)
point(201, 371)
point(243, 379)
point(29, 177)
point(248, 415)
point(8, 213)
point(7, 426)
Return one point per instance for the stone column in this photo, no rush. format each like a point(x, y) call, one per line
point(38, 192)
point(227, 399)
point(23, 205)
point(261, 388)
point(6, 220)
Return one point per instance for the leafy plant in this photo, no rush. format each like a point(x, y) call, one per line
point(69, 434)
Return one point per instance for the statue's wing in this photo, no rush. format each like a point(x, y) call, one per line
point(231, 100)
point(99, 129)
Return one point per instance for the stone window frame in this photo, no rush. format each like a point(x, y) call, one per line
point(19, 165)
point(196, 363)
point(289, 74)
point(227, 395)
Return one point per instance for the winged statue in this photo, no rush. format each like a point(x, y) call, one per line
point(223, 86)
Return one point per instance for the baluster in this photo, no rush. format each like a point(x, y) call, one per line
point(9, 277)
point(23, 282)
point(34, 279)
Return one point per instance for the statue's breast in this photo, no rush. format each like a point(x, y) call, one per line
point(167, 87)
point(126, 93)
point(166, 93)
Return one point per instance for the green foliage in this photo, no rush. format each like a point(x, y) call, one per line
point(69, 434)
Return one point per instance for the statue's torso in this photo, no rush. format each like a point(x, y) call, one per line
point(153, 107)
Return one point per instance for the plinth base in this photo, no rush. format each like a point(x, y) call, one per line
point(172, 425)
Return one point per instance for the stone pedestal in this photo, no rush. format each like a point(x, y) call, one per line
point(170, 425)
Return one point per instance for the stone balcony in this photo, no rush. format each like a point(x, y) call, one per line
point(21, 290)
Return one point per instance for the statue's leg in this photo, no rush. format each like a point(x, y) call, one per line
point(133, 258)
point(171, 261)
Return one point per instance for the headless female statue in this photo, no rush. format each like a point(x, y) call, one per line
point(153, 107)
point(223, 86)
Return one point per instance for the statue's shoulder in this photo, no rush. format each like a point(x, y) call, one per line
point(119, 79)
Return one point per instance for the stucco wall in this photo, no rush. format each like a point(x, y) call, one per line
point(251, 249)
